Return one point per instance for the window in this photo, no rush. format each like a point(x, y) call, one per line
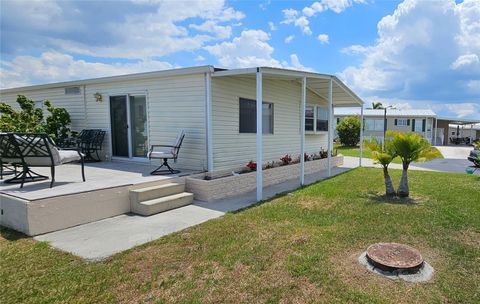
point(248, 116)
point(418, 125)
point(322, 119)
point(72, 91)
point(374, 124)
point(402, 122)
point(316, 118)
point(309, 118)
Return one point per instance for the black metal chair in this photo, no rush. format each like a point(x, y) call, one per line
point(5, 167)
point(26, 150)
point(91, 141)
point(166, 152)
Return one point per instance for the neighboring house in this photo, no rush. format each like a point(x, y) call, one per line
point(418, 121)
point(462, 131)
point(216, 108)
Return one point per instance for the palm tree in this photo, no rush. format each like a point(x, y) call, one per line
point(384, 157)
point(377, 105)
point(409, 147)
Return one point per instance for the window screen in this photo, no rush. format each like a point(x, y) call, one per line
point(322, 119)
point(248, 116)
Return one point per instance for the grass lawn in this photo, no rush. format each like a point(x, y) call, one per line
point(296, 248)
point(355, 151)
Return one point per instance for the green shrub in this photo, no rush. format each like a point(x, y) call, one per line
point(29, 119)
point(349, 131)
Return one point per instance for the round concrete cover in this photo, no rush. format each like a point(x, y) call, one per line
point(394, 255)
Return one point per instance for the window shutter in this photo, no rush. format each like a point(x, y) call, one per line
point(413, 125)
point(408, 122)
point(424, 122)
point(395, 121)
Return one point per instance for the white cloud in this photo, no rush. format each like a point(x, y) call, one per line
point(199, 58)
point(462, 110)
point(301, 20)
point(295, 63)
point(355, 49)
point(289, 39)
point(272, 26)
point(251, 49)
point(323, 38)
point(148, 29)
point(464, 61)
point(210, 26)
point(421, 54)
point(54, 67)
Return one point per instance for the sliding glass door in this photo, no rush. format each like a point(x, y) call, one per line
point(128, 117)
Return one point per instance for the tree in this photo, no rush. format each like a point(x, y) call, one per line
point(377, 105)
point(26, 119)
point(57, 124)
point(384, 156)
point(409, 147)
point(29, 119)
point(349, 131)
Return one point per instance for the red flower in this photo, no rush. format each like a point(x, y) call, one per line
point(252, 165)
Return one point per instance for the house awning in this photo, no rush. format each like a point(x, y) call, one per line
point(318, 83)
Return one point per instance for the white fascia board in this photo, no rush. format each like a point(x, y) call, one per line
point(137, 76)
point(235, 72)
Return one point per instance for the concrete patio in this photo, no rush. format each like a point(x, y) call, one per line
point(101, 239)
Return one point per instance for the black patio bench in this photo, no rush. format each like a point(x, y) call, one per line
point(27, 150)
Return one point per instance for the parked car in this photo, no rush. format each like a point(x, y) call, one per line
point(474, 157)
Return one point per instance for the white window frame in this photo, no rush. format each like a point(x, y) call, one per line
point(402, 122)
point(315, 118)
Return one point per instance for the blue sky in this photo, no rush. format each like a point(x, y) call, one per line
point(412, 53)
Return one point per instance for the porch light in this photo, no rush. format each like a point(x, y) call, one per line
point(98, 97)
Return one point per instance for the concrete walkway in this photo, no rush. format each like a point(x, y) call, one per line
point(101, 239)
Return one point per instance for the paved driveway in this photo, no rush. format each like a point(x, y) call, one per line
point(455, 160)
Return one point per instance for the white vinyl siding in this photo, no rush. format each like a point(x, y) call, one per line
point(233, 149)
point(173, 103)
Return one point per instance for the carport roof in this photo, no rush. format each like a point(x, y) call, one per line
point(459, 121)
point(318, 83)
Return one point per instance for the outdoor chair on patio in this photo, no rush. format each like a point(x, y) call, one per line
point(91, 141)
point(166, 152)
point(5, 167)
point(26, 150)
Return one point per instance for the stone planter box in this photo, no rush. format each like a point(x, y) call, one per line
point(231, 185)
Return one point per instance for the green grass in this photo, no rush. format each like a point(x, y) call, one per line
point(295, 248)
point(355, 151)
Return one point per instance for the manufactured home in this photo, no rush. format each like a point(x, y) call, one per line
point(215, 107)
point(228, 117)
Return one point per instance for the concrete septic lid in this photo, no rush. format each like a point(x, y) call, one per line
point(394, 256)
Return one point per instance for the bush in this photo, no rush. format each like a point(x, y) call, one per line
point(31, 120)
point(349, 131)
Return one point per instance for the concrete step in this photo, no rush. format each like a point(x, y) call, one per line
point(149, 193)
point(162, 204)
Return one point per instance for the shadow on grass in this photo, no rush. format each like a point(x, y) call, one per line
point(11, 235)
point(377, 198)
